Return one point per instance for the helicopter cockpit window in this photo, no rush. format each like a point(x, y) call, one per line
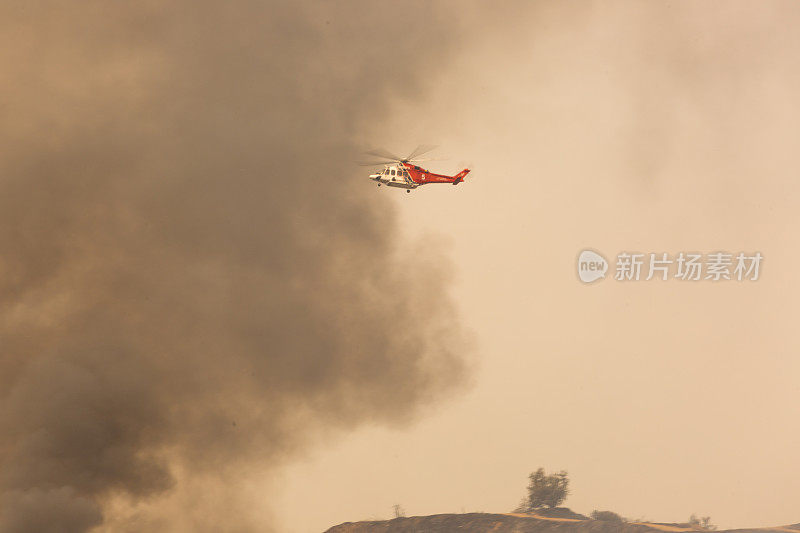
point(392, 172)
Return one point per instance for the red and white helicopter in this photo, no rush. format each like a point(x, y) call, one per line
point(403, 172)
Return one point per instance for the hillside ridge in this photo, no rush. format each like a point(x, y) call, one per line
point(523, 523)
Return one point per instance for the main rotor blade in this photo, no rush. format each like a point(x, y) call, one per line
point(421, 149)
point(380, 152)
point(376, 163)
point(420, 160)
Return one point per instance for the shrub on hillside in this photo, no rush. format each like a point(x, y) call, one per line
point(608, 516)
point(703, 523)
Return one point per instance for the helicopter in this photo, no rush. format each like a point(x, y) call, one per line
point(404, 173)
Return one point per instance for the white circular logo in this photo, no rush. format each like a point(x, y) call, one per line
point(591, 266)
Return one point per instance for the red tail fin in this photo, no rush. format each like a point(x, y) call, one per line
point(460, 176)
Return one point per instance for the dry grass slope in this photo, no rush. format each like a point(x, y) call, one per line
point(516, 523)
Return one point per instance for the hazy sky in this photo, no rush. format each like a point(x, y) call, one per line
point(617, 126)
point(210, 320)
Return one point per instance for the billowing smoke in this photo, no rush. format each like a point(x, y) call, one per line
point(194, 283)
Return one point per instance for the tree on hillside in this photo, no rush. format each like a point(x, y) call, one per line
point(545, 491)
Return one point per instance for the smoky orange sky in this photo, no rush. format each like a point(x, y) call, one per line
point(210, 320)
point(616, 126)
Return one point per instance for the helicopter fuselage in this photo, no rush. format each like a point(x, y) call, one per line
point(407, 176)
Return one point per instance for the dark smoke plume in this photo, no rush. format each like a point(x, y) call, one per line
point(194, 282)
